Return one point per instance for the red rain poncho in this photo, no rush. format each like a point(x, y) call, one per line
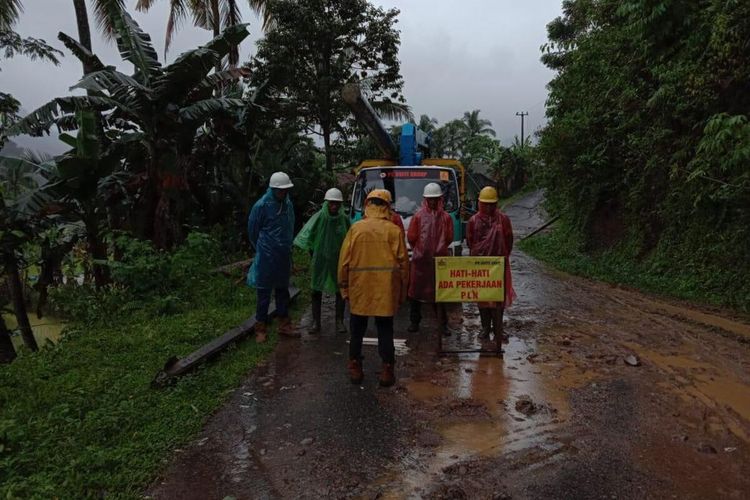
point(430, 235)
point(489, 233)
point(396, 219)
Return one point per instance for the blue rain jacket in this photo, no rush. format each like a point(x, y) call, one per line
point(271, 231)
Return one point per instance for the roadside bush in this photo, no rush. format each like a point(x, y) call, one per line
point(144, 278)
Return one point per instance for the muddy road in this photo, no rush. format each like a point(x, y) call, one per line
point(602, 393)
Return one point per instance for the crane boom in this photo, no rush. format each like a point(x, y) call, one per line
point(363, 112)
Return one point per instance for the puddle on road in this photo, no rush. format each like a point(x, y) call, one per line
point(475, 398)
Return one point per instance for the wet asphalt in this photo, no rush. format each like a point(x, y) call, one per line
point(560, 416)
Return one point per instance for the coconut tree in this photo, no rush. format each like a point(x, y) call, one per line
point(449, 139)
point(476, 126)
point(156, 111)
point(427, 124)
point(212, 15)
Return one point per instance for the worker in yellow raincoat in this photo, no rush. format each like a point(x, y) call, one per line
point(374, 278)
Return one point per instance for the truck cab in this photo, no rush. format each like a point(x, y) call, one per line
point(406, 185)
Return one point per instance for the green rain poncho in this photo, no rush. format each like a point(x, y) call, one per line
point(323, 235)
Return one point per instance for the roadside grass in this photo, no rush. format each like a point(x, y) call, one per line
point(658, 273)
point(80, 420)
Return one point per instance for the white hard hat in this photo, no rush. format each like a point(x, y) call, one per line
point(432, 190)
point(279, 180)
point(334, 194)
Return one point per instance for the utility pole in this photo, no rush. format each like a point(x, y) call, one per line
point(522, 114)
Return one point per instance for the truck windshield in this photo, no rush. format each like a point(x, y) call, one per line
point(406, 186)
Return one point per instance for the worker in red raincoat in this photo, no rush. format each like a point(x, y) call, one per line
point(396, 219)
point(489, 233)
point(430, 235)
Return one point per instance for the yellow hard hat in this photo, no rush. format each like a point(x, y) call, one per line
point(488, 195)
point(381, 194)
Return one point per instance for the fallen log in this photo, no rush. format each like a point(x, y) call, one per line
point(227, 269)
point(176, 367)
point(541, 228)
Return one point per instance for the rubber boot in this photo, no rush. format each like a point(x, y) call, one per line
point(317, 304)
point(286, 328)
point(415, 316)
point(497, 327)
point(387, 375)
point(261, 332)
point(355, 371)
point(340, 305)
point(442, 319)
point(485, 316)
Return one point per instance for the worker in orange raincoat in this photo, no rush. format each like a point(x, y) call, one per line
point(373, 276)
point(430, 235)
point(489, 233)
point(394, 217)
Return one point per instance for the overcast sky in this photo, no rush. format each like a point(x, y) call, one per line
point(455, 56)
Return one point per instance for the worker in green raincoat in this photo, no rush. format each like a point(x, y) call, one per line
point(322, 236)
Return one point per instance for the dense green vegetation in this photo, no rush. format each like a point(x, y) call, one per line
point(112, 235)
point(645, 159)
point(79, 419)
point(645, 156)
point(653, 273)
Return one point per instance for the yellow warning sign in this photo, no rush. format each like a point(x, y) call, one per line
point(469, 279)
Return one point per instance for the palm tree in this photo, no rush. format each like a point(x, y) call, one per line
point(156, 112)
point(449, 140)
point(476, 126)
point(212, 15)
point(9, 12)
point(427, 124)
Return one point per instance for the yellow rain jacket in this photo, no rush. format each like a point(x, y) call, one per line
point(374, 265)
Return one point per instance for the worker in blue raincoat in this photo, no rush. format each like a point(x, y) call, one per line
point(270, 228)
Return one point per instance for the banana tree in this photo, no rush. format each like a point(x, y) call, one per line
point(155, 111)
point(19, 222)
point(55, 244)
point(84, 181)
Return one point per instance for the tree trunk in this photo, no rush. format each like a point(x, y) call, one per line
point(98, 251)
point(7, 351)
point(170, 208)
point(216, 25)
point(327, 148)
point(84, 32)
point(19, 304)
